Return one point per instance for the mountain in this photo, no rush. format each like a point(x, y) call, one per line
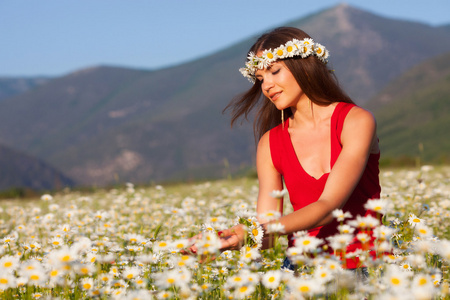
point(105, 124)
point(368, 51)
point(11, 86)
point(413, 113)
point(446, 27)
point(18, 170)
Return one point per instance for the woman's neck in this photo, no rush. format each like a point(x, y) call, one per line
point(310, 114)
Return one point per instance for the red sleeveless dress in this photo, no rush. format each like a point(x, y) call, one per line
point(304, 189)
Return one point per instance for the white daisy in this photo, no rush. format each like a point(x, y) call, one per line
point(7, 280)
point(340, 215)
point(161, 246)
point(323, 274)
point(394, 278)
point(84, 269)
point(380, 206)
point(268, 55)
point(46, 197)
point(271, 279)
point(305, 287)
point(178, 245)
point(131, 272)
point(414, 220)
point(250, 254)
point(270, 215)
point(364, 222)
point(290, 49)
point(9, 263)
point(275, 228)
point(383, 232)
point(278, 193)
point(87, 283)
point(423, 231)
point(346, 229)
point(244, 291)
point(363, 237)
point(281, 52)
point(305, 50)
point(339, 241)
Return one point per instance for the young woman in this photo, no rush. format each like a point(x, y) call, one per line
point(311, 136)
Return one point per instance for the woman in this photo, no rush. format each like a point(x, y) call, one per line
point(311, 135)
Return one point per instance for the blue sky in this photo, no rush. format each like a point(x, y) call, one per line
point(56, 37)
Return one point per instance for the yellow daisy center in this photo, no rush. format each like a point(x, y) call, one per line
point(34, 277)
point(304, 288)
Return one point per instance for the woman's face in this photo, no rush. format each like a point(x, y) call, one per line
point(279, 85)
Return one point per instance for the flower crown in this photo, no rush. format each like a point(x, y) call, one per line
point(303, 48)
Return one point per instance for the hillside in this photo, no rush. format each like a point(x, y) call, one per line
point(414, 110)
point(11, 86)
point(105, 124)
point(18, 170)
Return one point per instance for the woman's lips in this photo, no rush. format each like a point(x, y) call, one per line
point(275, 96)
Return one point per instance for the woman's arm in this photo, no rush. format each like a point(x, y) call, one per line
point(269, 179)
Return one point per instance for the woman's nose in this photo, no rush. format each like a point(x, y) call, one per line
point(267, 84)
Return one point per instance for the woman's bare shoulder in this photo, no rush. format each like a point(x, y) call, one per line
point(358, 116)
point(264, 141)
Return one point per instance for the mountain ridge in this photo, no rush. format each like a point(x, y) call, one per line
point(19, 170)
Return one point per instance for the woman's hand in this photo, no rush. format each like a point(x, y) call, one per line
point(229, 239)
point(232, 238)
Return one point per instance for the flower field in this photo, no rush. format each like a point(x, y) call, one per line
point(125, 243)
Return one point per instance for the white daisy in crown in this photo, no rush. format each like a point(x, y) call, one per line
point(281, 52)
point(305, 50)
point(268, 55)
point(320, 51)
point(290, 49)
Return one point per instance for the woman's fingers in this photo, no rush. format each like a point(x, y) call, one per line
point(230, 239)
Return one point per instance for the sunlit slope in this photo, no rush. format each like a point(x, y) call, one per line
point(413, 113)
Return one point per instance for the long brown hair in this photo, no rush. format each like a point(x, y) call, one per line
point(314, 78)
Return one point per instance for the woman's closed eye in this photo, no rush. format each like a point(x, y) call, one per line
point(274, 72)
